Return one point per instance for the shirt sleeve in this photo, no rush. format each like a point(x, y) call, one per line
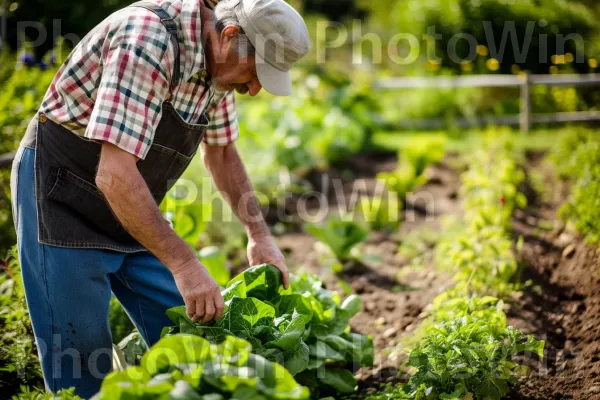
point(129, 97)
point(223, 126)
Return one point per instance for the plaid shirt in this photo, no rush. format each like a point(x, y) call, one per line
point(112, 86)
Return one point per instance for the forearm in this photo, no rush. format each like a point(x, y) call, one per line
point(133, 205)
point(231, 179)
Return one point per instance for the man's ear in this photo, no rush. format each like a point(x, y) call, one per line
point(229, 37)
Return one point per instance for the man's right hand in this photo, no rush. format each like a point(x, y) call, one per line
point(201, 294)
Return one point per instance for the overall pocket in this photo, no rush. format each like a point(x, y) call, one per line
point(87, 201)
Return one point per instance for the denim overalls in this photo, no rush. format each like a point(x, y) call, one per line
point(74, 252)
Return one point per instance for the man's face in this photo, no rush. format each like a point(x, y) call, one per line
point(239, 75)
point(234, 72)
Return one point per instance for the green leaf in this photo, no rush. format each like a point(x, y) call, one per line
point(296, 360)
point(234, 351)
point(190, 221)
point(340, 379)
point(276, 382)
point(245, 317)
point(263, 282)
point(352, 305)
point(173, 351)
point(184, 391)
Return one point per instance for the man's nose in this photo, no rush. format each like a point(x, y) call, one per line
point(254, 87)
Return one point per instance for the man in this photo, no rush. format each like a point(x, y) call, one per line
point(120, 123)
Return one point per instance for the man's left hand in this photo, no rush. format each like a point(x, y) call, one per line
point(263, 250)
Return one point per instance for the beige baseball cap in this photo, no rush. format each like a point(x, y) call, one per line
point(280, 37)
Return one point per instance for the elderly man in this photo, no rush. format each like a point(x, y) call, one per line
point(120, 123)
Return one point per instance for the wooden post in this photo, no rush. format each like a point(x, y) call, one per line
point(525, 116)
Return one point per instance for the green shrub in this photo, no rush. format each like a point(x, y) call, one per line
point(18, 354)
point(578, 159)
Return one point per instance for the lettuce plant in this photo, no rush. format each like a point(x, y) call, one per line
point(189, 367)
point(304, 328)
point(340, 235)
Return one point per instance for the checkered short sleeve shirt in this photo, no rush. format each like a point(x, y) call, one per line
point(112, 86)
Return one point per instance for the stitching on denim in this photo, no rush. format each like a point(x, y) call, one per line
point(90, 245)
point(139, 306)
point(167, 150)
point(82, 183)
point(49, 346)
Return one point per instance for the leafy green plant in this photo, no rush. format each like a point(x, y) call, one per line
point(402, 181)
point(468, 355)
point(381, 213)
point(413, 158)
point(304, 328)
point(28, 393)
point(464, 349)
point(18, 355)
point(189, 220)
point(578, 159)
point(327, 119)
point(423, 152)
point(483, 258)
point(186, 366)
point(340, 235)
point(133, 348)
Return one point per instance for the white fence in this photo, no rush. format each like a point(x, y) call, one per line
point(525, 81)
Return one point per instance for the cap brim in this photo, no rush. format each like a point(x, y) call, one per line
point(273, 80)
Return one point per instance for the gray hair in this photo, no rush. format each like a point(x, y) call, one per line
point(224, 15)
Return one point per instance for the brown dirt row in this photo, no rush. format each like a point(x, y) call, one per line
point(563, 304)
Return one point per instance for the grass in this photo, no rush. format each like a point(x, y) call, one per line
point(467, 141)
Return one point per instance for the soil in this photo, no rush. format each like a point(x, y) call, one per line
point(394, 295)
point(563, 304)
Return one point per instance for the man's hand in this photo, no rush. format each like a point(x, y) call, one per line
point(263, 250)
point(201, 294)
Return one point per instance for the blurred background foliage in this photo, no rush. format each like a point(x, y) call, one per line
point(334, 112)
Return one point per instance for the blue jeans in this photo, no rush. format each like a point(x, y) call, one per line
point(68, 293)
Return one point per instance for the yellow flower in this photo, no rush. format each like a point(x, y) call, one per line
point(492, 64)
point(466, 66)
point(482, 50)
point(593, 63)
point(515, 69)
point(554, 70)
point(569, 57)
point(432, 66)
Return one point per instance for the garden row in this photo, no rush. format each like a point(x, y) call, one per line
point(464, 348)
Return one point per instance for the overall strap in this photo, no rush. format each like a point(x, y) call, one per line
point(171, 26)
